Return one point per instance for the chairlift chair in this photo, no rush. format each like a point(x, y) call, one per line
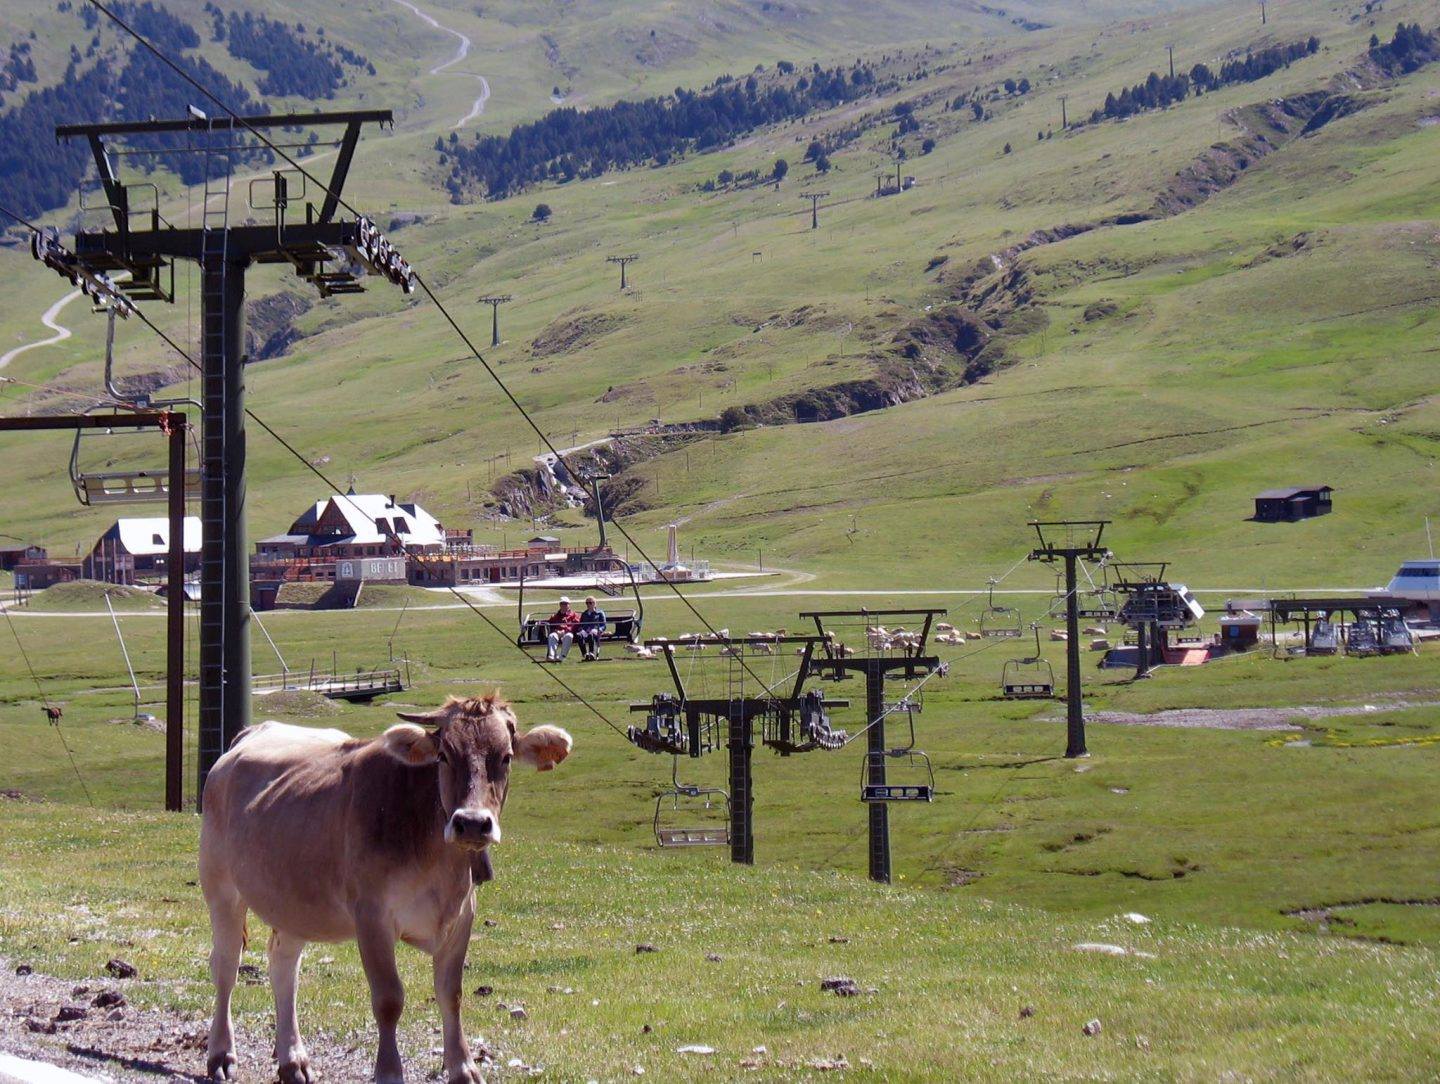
point(622, 626)
point(917, 782)
point(999, 621)
point(1395, 635)
point(1060, 600)
point(104, 484)
point(692, 816)
point(1324, 638)
point(1030, 678)
point(1363, 638)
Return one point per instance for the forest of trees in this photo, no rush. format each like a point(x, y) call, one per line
point(566, 143)
point(293, 65)
point(37, 173)
point(1407, 50)
point(1159, 90)
point(19, 67)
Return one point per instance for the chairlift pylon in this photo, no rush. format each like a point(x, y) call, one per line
point(1031, 678)
point(691, 816)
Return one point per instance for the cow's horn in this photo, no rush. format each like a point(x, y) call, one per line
point(423, 717)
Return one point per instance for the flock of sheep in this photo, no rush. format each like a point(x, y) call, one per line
point(877, 638)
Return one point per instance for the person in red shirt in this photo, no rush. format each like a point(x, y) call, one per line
point(563, 624)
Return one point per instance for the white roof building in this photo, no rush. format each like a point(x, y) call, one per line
point(150, 537)
point(364, 519)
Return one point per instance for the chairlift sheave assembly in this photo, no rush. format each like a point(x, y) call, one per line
point(1031, 678)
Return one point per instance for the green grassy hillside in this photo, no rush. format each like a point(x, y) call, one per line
point(1276, 824)
point(980, 992)
point(1214, 369)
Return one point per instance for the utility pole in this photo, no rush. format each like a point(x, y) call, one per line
point(1071, 541)
point(495, 301)
point(814, 198)
point(1171, 48)
point(1064, 121)
point(1263, 19)
point(623, 261)
point(146, 247)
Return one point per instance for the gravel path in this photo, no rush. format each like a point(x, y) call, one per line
point(1284, 718)
point(462, 50)
point(115, 1041)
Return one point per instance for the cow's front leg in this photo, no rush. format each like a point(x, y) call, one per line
point(376, 939)
point(293, 1064)
point(449, 976)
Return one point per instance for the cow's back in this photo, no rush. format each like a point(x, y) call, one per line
point(274, 823)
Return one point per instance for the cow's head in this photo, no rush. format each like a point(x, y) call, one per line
point(473, 742)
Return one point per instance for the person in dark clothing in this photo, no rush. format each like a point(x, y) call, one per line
point(592, 624)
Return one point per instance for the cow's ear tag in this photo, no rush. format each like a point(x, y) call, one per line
point(411, 744)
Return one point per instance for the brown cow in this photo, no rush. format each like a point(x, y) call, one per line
point(326, 838)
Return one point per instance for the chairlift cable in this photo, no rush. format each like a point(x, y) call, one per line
point(420, 281)
point(50, 710)
point(336, 489)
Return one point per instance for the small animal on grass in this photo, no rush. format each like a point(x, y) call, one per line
point(53, 714)
point(332, 838)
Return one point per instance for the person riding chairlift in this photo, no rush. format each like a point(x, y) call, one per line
point(562, 624)
point(592, 625)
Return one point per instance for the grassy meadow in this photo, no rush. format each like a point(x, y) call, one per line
point(1280, 332)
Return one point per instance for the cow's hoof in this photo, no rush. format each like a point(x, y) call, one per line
point(296, 1072)
point(465, 1074)
point(222, 1067)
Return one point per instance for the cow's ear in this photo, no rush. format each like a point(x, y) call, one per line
point(411, 744)
point(544, 747)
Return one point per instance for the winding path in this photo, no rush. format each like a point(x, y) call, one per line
point(461, 52)
point(48, 319)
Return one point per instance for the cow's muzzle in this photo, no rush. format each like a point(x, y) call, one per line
point(473, 828)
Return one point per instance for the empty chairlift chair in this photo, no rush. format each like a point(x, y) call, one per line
point(999, 621)
point(1395, 635)
point(692, 816)
point(1324, 638)
point(1363, 637)
point(97, 480)
point(1031, 678)
point(914, 774)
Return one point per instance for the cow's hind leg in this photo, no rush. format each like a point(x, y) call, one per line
point(290, 1056)
point(376, 940)
point(449, 976)
point(227, 942)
